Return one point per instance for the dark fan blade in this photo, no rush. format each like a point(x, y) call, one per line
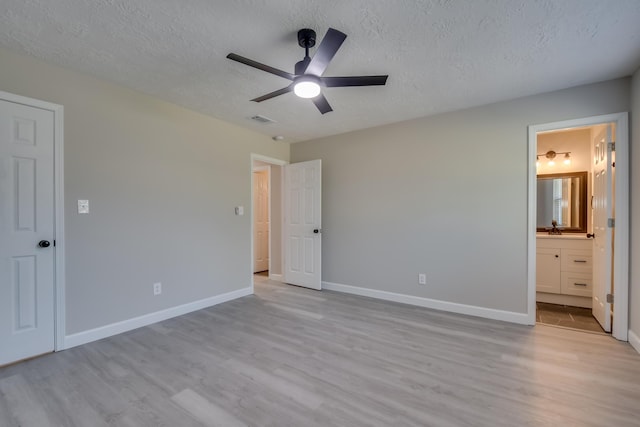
point(327, 49)
point(260, 66)
point(322, 104)
point(354, 81)
point(274, 94)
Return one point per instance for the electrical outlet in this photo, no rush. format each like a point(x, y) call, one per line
point(422, 279)
point(157, 288)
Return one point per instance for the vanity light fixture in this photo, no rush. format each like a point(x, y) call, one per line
point(551, 155)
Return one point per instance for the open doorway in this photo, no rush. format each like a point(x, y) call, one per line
point(295, 239)
point(565, 230)
point(578, 253)
point(266, 217)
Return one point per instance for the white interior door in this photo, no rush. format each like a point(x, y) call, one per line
point(602, 242)
point(26, 218)
point(303, 224)
point(260, 221)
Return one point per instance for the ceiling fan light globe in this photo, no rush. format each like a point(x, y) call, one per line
point(306, 89)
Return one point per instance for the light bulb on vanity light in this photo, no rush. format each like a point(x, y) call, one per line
point(567, 159)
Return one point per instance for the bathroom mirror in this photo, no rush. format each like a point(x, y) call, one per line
point(562, 197)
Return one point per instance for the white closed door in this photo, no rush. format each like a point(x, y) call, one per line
point(26, 232)
point(303, 224)
point(260, 221)
point(603, 233)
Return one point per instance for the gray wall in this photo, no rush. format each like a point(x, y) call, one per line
point(162, 182)
point(445, 195)
point(634, 256)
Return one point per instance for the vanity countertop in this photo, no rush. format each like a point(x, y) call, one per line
point(568, 236)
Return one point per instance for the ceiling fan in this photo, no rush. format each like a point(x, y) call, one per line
point(307, 80)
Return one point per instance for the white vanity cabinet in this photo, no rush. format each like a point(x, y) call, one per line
point(564, 267)
point(548, 270)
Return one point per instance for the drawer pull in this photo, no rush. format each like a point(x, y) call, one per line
point(580, 260)
point(580, 284)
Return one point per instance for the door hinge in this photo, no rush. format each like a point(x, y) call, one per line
point(611, 146)
point(611, 222)
point(610, 298)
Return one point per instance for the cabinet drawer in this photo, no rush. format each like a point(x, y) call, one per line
point(576, 260)
point(580, 284)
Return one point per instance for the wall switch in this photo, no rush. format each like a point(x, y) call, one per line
point(83, 206)
point(422, 279)
point(240, 210)
point(157, 288)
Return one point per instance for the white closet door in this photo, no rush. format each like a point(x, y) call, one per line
point(26, 232)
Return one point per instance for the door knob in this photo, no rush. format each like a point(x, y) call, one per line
point(316, 231)
point(44, 243)
point(591, 235)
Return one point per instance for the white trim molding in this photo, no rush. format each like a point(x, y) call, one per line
point(276, 277)
point(148, 319)
point(634, 340)
point(59, 278)
point(470, 310)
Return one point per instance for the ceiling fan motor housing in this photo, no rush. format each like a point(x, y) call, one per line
point(306, 38)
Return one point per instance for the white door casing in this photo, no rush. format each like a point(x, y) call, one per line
point(261, 220)
point(620, 205)
point(603, 234)
point(27, 294)
point(303, 224)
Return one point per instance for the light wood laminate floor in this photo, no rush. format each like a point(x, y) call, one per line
point(289, 356)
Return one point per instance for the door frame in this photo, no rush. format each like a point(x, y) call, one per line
point(268, 170)
point(59, 275)
point(275, 162)
point(620, 326)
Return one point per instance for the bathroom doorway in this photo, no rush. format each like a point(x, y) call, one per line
point(577, 256)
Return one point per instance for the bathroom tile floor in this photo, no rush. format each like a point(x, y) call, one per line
point(567, 316)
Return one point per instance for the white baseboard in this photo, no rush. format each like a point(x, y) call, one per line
point(471, 310)
point(275, 277)
point(634, 340)
point(101, 332)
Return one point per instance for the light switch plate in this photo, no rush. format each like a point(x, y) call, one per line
point(239, 210)
point(83, 206)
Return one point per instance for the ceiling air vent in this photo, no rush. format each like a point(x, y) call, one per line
point(262, 119)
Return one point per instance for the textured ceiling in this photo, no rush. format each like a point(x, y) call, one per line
point(440, 55)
